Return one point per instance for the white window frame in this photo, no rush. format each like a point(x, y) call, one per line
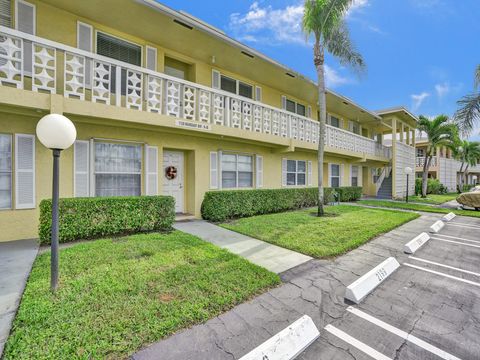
point(329, 121)
point(9, 16)
point(34, 14)
point(237, 86)
point(287, 99)
point(78, 33)
point(10, 172)
point(155, 50)
point(122, 39)
point(305, 173)
point(330, 175)
point(236, 170)
point(351, 175)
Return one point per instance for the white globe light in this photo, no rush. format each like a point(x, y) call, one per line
point(55, 131)
point(408, 170)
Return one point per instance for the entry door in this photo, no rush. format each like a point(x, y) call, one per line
point(173, 177)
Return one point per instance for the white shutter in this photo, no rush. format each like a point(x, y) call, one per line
point(215, 79)
point(5, 13)
point(329, 174)
point(349, 182)
point(360, 175)
point(342, 172)
point(310, 173)
point(258, 93)
point(85, 42)
point(309, 111)
point(284, 172)
point(25, 22)
point(259, 172)
point(92, 167)
point(81, 168)
point(213, 170)
point(151, 58)
point(284, 102)
point(24, 171)
point(151, 170)
point(220, 154)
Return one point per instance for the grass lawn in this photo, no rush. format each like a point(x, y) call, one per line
point(344, 228)
point(418, 207)
point(118, 295)
point(433, 199)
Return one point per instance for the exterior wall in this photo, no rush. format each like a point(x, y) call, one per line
point(404, 156)
point(448, 173)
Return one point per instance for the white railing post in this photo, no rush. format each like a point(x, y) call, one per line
point(118, 86)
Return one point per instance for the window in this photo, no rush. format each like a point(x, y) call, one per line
point(5, 13)
point(420, 152)
point(295, 107)
point(296, 172)
point(177, 68)
point(236, 87)
point(334, 175)
point(120, 50)
point(118, 169)
point(354, 175)
point(354, 127)
point(237, 171)
point(5, 171)
point(334, 121)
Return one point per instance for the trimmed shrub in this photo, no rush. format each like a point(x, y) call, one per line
point(88, 218)
point(434, 186)
point(219, 206)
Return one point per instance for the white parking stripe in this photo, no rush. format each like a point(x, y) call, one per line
point(356, 343)
point(445, 266)
point(457, 238)
point(462, 223)
point(465, 226)
point(455, 242)
point(442, 274)
point(409, 337)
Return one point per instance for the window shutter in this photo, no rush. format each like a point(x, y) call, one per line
point(24, 171)
point(329, 173)
point(25, 22)
point(85, 42)
point(151, 170)
point(215, 79)
point(284, 172)
point(259, 164)
point(340, 123)
point(360, 175)
point(310, 173)
point(342, 172)
point(258, 93)
point(284, 102)
point(309, 111)
point(81, 168)
point(213, 170)
point(220, 154)
point(151, 61)
point(349, 182)
point(5, 13)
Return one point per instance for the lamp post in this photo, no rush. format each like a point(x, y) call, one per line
point(408, 171)
point(57, 133)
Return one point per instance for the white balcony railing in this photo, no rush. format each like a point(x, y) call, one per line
point(420, 161)
point(74, 73)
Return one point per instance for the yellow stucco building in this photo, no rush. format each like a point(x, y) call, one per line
point(151, 91)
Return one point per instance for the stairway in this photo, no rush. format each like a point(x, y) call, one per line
point(385, 191)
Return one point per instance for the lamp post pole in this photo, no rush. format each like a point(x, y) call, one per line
point(54, 240)
point(406, 198)
point(408, 170)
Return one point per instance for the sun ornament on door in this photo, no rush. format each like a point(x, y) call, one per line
point(170, 172)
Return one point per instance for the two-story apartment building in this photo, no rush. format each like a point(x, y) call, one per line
point(444, 166)
point(164, 103)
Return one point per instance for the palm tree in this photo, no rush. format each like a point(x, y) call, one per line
point(440, 132)
point(470, 157)
point(468, 115)
point(325, 20)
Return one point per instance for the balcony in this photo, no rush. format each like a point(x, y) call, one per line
point(420, 162)
point(77, 74)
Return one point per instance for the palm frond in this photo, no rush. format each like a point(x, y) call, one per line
point(340, 45)
point(477, 77)
point(468, 115)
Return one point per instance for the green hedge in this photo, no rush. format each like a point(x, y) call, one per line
point(222, 205)
point(87, 218)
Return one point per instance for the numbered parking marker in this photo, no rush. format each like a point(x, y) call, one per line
point(367, 283)
point(416, 243)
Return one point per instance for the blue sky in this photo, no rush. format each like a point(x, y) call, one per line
point(419, 53)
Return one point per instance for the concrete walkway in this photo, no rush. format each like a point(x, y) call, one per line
point(16, 259)
point(271, 257)
point(315, 288)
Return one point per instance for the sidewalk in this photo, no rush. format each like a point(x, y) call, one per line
point(16, 259)
point(315, 288)
point(271, 257)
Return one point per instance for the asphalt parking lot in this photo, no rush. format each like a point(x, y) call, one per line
point(428, 309)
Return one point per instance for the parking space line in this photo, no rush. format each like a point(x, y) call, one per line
point(455, 242)
point(356, 343)
point(403, 334)
point(464, 226)
point(463, 223)
point(445, 266)
point(457, 238)
point(442, 274)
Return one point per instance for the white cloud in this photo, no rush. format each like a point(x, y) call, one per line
point(418, 100)
point(333, 78)
point(442, 89)
point(275, 25)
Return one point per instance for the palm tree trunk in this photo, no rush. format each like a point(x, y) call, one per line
point(426, 166)
point(319, 61)
point(465, 175)
point(460, 186)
